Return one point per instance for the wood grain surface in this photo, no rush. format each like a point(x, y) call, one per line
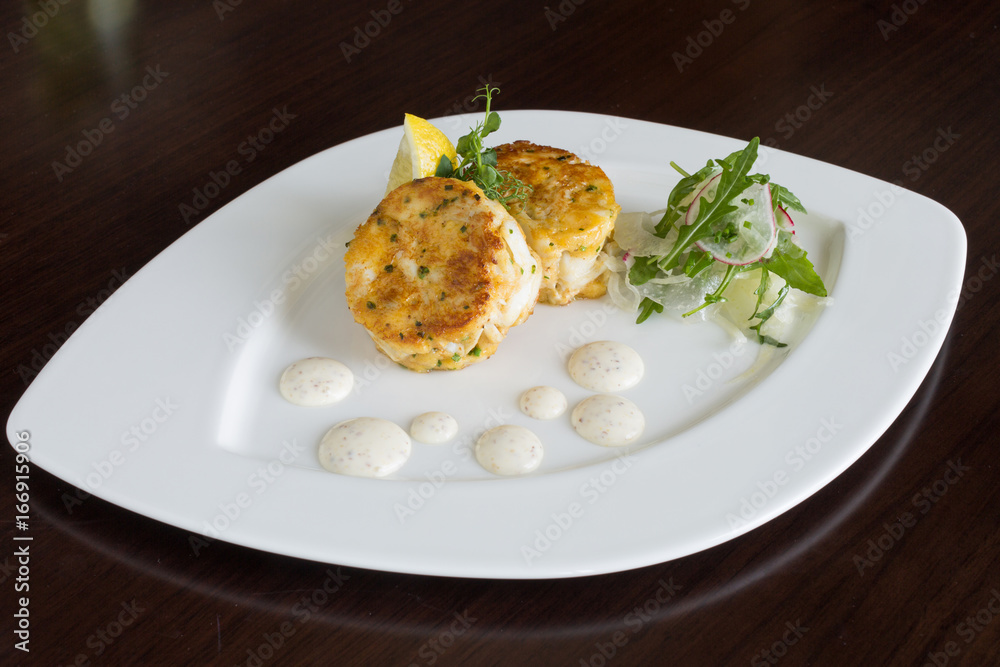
point(159, 95)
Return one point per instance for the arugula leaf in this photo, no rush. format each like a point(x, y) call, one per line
point(646, 308)
point(732, 182)
point(717, 295)
point(765, 315)
point(791, 263)
point(697, 262)
point(787, 261)
point(761, 291)
point(782, 196)
point(683, 188)
point(643, 270)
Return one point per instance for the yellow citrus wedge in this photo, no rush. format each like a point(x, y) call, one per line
point(419, 152)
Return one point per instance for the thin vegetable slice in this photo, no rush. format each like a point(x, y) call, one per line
point(743, 236)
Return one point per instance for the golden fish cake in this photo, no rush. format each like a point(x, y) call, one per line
point(439, 273)
point(566, 218)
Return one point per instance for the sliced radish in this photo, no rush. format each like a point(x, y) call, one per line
point(785, 221)
point(708, 192)
point(753, 220)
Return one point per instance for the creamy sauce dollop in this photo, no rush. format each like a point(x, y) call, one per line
point(543, 403)
point(316, 381)
point(433, 428)
point(606, 366)
point(609, 421)
point(364, 447)
point(509, 450)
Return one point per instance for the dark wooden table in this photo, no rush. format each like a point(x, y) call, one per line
point(152, 97)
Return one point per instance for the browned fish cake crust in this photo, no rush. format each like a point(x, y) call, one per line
point(566, 218)
point(439, 273)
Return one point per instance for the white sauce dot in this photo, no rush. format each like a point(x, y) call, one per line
point(606, 366)
point(434, 428)
point(543, 403)
point(316, 381)
point(364, 447)
point(509, 450)
point(609, 421)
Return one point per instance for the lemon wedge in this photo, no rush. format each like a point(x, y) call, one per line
point(419, 153)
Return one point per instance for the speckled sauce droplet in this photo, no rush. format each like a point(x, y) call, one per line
point(543, 403)
point(364, 447)
point(433, 428)
point(316, 381)
point(606, 366)
point(509, 450)
point(609, 421)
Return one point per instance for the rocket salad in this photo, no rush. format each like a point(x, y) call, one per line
point(720, 222)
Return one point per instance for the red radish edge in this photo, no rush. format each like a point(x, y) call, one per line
point(785, 221)
point(690, 217)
